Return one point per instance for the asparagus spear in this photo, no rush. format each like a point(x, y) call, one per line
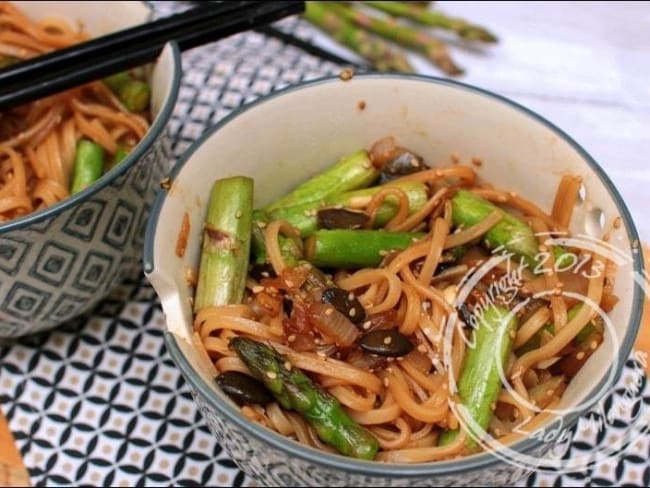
point(479, 383)
point(434, 49)
point(350, 173)
point(433, 18)
point(510, 233)
point(134, 94)
point(121, 153)
point(290, 248)
point(379, 53)
point(304, 217)
point(295, 391)
point(344, 248)
point(88, 165)
point(226, 243)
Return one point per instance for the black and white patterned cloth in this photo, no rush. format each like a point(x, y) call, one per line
point(99, 401)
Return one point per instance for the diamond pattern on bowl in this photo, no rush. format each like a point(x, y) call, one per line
point(54, 263)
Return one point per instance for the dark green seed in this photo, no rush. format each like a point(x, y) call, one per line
point(345, 303)
point(386, 342)
point(243, 389)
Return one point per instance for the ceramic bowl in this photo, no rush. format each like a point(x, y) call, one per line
point(60, 262)
point(288, 136)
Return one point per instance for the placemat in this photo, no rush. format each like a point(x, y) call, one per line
point(99, 401)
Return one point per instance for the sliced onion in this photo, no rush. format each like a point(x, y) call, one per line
point(333, 324)
point(383, 151)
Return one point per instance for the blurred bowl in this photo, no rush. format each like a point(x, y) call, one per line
point(58, 263)
point(298, 132)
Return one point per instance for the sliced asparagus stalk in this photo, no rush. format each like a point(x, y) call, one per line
point(355, 248)
point(290, 248)
point(226, 243)
point(88, 165)
point(350, 173)
point(510, 233)
point(304, 217)
point(295, 391)
point(480, 382)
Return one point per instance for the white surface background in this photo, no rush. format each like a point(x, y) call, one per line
point(585, 66)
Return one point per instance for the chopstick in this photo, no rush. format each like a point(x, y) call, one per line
point(105, 57)
point(108, 44)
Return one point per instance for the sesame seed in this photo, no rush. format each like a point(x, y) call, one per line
point(271, 374)
point(329, 311)
point(594, 345)
point(386, 382)
point(238, 214)
point(257, 289)
point(351, 296)
point(352, 312)
point(513, 334)
point(516, 414)
point(265, 274)
point(366, 325)
point(261, 224)
point(291, 338)
point(543, 248)
point(289, 283)
point(422, 348)
point(549, 392)
point(287, 365)
point(388, 340)
point(497, 432)
point(414, 163)
point(306, 213)
point(426, 330)
point(321, 354)
point(580, 356)
point(383, 253)
point(493, 406)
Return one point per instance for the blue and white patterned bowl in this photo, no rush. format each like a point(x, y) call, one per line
point(282, 139)
point(58, 263)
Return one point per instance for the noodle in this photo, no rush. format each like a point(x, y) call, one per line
point(39, 139)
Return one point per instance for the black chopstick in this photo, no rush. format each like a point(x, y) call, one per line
point(200, 31)
point(108, 44)
point(309, 48)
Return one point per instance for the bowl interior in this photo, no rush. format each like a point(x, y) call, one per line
point(286, 138)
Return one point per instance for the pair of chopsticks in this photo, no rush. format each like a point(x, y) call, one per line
point(100, 57)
